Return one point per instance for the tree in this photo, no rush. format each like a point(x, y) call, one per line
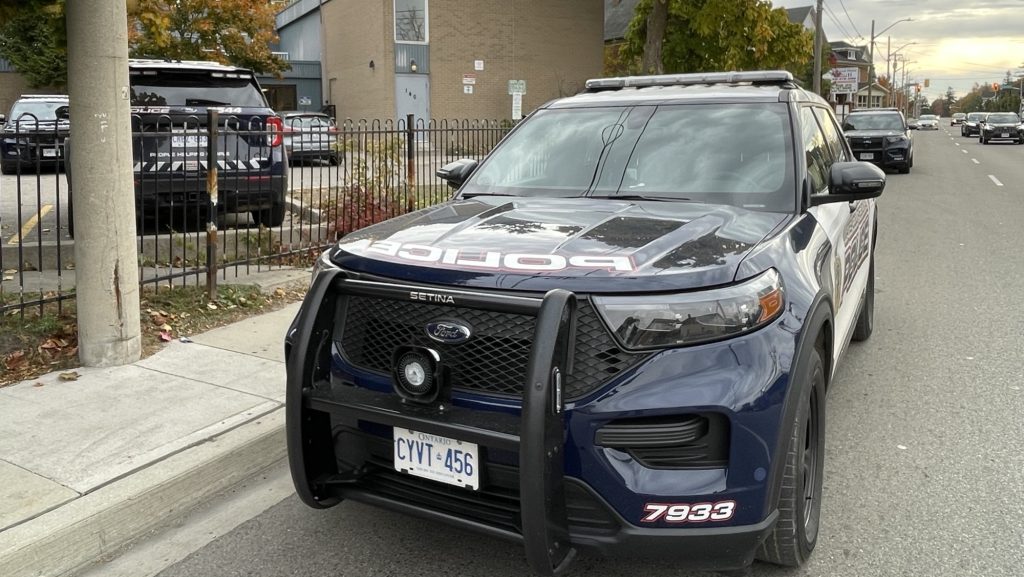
point(33, 40)
point(239, 32)
point(716, 35)
point(235, 32)
point(951, 104)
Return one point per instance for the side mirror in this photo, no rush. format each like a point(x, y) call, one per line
point(457, 172)
point(63, 113)
point(850, 181)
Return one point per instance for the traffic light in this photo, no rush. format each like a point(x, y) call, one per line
point(927, 82)
point(995, 87)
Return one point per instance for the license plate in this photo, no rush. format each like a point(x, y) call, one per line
point(867, 156)
point(437, 458)
point(189, 141)
point(1006, 135)
point(51, 153)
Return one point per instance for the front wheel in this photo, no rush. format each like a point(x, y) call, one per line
point(796, 531)
point(8, 168)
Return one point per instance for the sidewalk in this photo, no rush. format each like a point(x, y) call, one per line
point(89, 465)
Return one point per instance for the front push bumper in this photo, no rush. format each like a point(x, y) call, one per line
point(549, 502)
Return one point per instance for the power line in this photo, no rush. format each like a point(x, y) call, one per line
point(841, 3)
point(846, 34)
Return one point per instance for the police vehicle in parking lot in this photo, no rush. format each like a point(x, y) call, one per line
point(618, 336)
point(33, 134)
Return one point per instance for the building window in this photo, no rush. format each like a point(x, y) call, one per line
point(411, 21)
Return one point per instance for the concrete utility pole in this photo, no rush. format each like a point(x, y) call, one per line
point(106, 257)
point(817, 48)
point(871, 62)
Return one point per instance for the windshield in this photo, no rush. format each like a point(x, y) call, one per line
point(734, 154)
point(308, 122)
point(887, 121)
point(193, 88)
point(1007, 118)
point(959, 115)
point(40, 109)
point(976, 116)
point(928, 117)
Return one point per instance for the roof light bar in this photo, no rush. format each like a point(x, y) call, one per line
point(760, 77)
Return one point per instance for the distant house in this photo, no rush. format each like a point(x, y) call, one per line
point(802, 15)
point(617, 15)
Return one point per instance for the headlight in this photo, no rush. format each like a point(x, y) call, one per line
point(895, 139)
point(696, 317)
point(323, 263)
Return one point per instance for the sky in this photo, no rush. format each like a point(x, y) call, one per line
point(957, 42)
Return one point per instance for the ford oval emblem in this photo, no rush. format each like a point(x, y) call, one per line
point(448, 332)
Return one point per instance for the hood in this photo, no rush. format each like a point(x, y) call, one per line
point(581, 244)
point(1003, 124)
point(872, 133)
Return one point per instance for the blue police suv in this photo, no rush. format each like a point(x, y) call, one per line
point(618, 336)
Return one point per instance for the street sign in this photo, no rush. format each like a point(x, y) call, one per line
point(515, 86)
point(305, 101)
point(517, 105)
point(845, 80)
point(469, 78)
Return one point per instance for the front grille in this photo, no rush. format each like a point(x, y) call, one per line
point(496, 503)
point(494, 360)
point(873, 143)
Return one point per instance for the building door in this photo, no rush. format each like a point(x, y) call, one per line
point(281, 96)
point(412, 96)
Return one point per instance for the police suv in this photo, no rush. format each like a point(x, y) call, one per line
point(618, 336)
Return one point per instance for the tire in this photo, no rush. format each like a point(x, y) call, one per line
point(270, 217)
point(796, 531)
point(8, 168)
point(982, 140)
point(71, 215)
point(866, 319)
point(905, 169)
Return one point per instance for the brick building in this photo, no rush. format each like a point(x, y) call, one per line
point(454, 59)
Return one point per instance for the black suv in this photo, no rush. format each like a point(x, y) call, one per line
point(34, 133)
point(880, 136)
point(170, 137)
point(1002, 126)
point(616, 336)
point(972, 124)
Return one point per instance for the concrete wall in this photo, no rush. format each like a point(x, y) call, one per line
point(555, 45)
point(301, 38)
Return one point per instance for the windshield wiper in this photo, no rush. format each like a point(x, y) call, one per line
point(473, 194)
point(640, 197)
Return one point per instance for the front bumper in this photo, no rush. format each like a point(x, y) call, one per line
point(1013, 135)
point(546, 483)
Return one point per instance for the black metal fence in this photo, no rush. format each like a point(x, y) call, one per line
point(284, 191)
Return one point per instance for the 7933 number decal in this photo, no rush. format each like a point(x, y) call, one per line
point(688, 513)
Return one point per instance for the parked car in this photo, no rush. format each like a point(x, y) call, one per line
point(310, 136)
point(34, 133)
point(881, 136)
point(972, 124)
point(170, 141)
point(617, 336)
point(1002, 126)
point(928, 122)
point(957, 118)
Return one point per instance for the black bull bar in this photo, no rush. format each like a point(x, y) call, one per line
point(537, 435)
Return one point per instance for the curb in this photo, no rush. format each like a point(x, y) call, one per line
point(82, 531)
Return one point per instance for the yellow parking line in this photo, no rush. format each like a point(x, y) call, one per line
point(30, 224)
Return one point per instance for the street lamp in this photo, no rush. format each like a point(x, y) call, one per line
point(871, 53)
point(891, 72)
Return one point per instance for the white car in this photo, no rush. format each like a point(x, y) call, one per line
point(928, 122)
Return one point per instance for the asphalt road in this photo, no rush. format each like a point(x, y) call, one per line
point(924, 469)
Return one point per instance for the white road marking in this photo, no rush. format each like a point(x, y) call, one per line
point(975, 161)
point(995, 180)
point(958, 144)
point(963, 151)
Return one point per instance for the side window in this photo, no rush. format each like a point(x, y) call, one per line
point(819, 158)
point(832, 135)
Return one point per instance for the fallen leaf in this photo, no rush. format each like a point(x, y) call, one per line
point(11, 271)
point(8, 277)
point(166, 337)
point(15, 360)
point(166, 328)
point(211, 306)
point(185, 340)
point(279, 292)
point(68, 376)
point(37, 384)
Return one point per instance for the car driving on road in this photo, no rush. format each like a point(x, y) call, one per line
point(928, 122)
point(957, 118)
point(972, 124)
point(618, 335)
point(880, 136)
point(1002, 126)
